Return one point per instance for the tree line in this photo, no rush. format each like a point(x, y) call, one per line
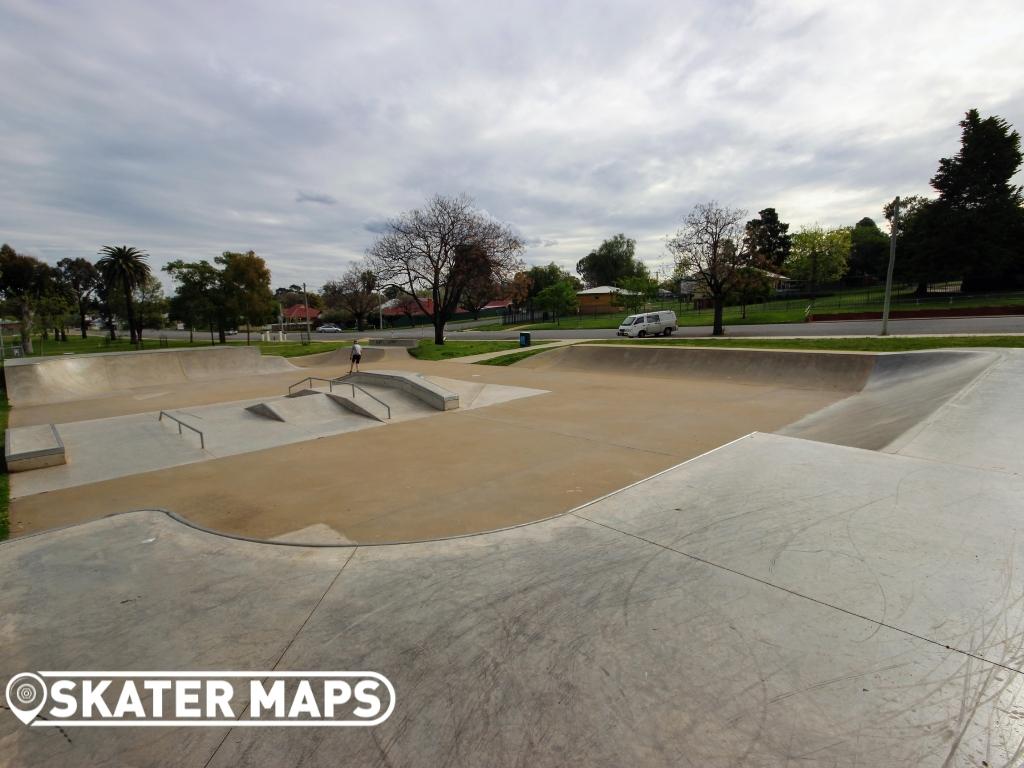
point(120, 284)
point(972, 232)
point(448, 255)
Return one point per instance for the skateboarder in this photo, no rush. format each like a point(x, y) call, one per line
point(357, 355)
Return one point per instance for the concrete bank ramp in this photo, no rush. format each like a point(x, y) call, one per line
point(902, 391)
point(38, 381)
point(313, 407)
point(843, 371)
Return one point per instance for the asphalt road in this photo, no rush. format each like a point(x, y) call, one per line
point(917, 327)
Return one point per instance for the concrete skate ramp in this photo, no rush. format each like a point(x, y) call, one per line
point(45, 380)
point(806, 370)
point(903, 390)
point(342, 356)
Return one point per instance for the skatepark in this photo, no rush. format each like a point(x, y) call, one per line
point(601, 555)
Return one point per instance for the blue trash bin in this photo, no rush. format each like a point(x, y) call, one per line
point(524, 338)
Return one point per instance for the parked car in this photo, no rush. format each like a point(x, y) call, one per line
point(660, 323)
point(329, 328)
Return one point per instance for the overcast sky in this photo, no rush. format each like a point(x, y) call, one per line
point(295, 128)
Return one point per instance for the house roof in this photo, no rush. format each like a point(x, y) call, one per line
point(600, 290)
point(298, 312)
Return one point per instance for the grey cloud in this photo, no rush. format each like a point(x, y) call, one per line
point(314, 197)
point(135, 123)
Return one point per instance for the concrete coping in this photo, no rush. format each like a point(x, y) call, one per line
point(415, 384)
point(33, 447)
point(392, 342)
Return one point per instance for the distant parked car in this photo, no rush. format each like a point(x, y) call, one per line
point(660, 323)
point(329, 328)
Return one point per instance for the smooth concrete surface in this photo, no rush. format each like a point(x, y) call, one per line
point(902, 390)
point(776, 602)
point(39, 381)
point(980, 426)
point(105, 449)
point(414, 384)
point(475, 469)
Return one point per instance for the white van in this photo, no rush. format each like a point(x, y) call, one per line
point(660, 323)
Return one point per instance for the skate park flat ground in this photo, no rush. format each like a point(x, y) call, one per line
point(468, 471)
point(777, 600)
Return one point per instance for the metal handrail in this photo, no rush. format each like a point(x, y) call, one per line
point(340, 380)
point(372, 396)
point(311, 379)
point(202, 440)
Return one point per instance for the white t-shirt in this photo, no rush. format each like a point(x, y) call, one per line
point(357, 349)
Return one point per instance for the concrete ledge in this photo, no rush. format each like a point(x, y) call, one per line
point(33, 447)
point(414, 384)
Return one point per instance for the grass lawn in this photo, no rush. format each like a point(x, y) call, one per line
point(295, 348)
point(515, 357)
point(5, 488)
point(428, 350)
point(865, 344)
point(792, 310)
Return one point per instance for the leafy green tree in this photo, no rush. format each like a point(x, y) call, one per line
point(293, 296)
point(869, 251)
point(614, 261)
point(751, 284)
point(150, 303)
point(767, 240)
point(81, 279)
point(559, 299)
point(354, 294)
point(819, 255)
point(197, 289)
point(245, 289)
point(636, 292)
point(978, 215)
point(919, 256)
point(25, 284)
point(125, 267)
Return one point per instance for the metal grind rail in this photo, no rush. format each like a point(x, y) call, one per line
point(310, 380)
point(330, 386)
point(180, 423)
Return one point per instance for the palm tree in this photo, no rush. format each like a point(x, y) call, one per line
point(127, 266)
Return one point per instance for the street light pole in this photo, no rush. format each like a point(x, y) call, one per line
point(305, 302)
point(893, 229)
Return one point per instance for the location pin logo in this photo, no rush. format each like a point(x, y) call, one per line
point(26, 695)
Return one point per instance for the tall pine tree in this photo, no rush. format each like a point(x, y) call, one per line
point(977, 224)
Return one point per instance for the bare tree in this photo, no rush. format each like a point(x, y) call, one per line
point(439, 250)
point(707, 248)
point(354, 292)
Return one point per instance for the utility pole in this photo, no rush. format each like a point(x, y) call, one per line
point(305, 302)
point(893, 230)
